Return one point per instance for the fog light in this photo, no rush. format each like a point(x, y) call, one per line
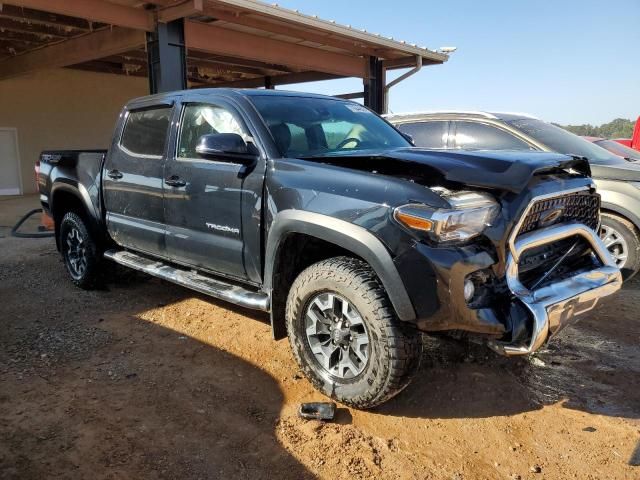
point(469, 290)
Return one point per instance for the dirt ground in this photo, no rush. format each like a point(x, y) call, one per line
point(144, 379)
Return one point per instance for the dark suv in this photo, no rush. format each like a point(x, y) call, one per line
point(617, 179)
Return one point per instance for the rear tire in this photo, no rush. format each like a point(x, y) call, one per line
point(358, 352)
point(80, 252)
point(623, 242)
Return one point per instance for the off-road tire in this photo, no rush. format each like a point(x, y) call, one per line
point(90, 277)
point(632, 237)
point(395, 348)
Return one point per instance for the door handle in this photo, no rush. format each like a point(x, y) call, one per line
point(175, 181)
point(114, 174)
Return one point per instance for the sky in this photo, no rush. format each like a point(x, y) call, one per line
point(565, 61)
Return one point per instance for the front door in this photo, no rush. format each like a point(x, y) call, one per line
point(210, 203)
point(133, 182)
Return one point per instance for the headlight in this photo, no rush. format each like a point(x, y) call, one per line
point(635, 184)
point(469, 215)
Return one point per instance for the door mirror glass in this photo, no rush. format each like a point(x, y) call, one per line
point(225, 146)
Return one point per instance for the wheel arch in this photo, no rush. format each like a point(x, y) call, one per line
point(69, 198)
point(335, 237)
point(614, 209)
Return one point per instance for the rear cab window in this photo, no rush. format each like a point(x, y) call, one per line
point(145, 131)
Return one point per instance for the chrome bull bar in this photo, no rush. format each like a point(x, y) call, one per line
point(552, 306)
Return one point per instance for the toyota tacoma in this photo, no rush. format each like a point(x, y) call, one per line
point(318, 211)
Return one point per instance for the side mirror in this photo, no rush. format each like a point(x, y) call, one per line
point(409, 138)
point(229, 147)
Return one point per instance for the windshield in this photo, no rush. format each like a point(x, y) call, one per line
point(305, 127)
point(619, 149)
point(562, 141)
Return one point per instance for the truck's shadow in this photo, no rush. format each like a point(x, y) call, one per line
point(88, 389)
point(129, 397)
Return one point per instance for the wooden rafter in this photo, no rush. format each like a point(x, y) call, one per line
point(88, 47)
point(212, 39)
point(289, 30)
point(241, 62)
point(279, 80)
point(26, 26)
point(93, 10)
point(43, 17)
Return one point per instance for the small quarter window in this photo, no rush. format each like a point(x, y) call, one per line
point(145, 132)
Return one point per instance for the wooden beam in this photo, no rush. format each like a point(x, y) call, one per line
point(280, 80)
point(217, 40)
point(29, 38)
point(211, 64)
point(241, 62)
point(24, 26)
point(182, 10)
point(288, 29)
point(76, 50)
point(109, 67)
point(94, 10)
point(40, 17)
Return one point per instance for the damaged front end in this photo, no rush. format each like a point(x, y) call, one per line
point(572, 268)
point(536, 267)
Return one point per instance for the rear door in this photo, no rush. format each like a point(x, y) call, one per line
point(212, 206)
point(133, 183)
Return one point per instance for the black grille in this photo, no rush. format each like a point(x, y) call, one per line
point(581, 207)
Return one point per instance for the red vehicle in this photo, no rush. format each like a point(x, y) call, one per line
point(634, 141)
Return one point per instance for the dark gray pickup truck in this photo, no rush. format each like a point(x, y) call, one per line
point(318, 211)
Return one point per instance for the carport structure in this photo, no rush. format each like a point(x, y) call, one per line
point(200, 43)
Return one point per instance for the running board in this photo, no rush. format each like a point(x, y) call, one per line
point(190, 279)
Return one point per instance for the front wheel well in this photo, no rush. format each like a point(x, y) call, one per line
point(614, 213)
point(296, 252)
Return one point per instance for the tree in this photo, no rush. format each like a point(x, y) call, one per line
point(618, 128)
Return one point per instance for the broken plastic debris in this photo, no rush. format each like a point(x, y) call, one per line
point(317, 410)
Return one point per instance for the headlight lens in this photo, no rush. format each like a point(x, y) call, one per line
point(469, 215)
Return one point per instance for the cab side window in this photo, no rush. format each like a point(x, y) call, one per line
point(427, 134)
point(145, 131)
point(198, 120)
point(479, 136)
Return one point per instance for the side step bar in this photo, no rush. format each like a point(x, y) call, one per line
point(195, 281)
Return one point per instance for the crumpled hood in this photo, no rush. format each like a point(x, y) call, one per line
point(504, 170)
point(629, 172)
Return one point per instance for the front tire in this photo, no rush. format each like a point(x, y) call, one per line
point(622, 240)
point(80, 252)
point(345, 335)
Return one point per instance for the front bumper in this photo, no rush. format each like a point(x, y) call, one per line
point(553, 306)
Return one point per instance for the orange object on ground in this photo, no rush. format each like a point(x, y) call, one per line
point(46, 221)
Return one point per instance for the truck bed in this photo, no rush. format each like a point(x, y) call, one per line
point(79, 170)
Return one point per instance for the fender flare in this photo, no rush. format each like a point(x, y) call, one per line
point(79, 191)
point(351, 237)
point(82, 194)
